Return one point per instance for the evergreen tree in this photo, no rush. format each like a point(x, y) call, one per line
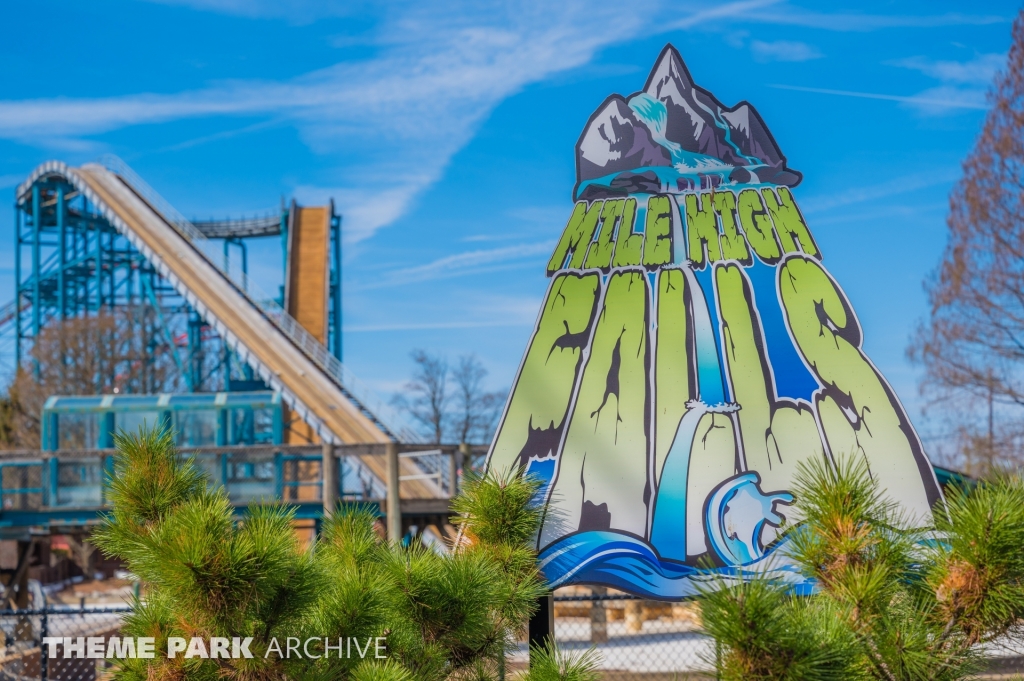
point(208, 574)
point(890, 603)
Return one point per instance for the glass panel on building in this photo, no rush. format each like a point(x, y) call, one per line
point(196, 428)
point(132, 421)
point(251, 426)
point(78, 430)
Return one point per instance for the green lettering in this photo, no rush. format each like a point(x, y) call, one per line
point(600, 255)
point(629, 245)
point(658, 232)
point(702, 230)
point(712, 460)
point(777, 434)
point(603, 473)
point(576, 237)
point(540, 396)
point(674, 378)
point(859, 413)
point(789, 224)
point(758, 227)
point(734, 246)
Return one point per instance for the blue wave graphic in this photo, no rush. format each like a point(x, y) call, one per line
point(625, 562)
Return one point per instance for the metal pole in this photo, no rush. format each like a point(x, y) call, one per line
point(337, 285)
point(542, 623)
point(330, 475)
point(81, 250)
point(226, 366)
point(36, 303)
point(453, 473)
point(393, 501)
point(112, 279)
point(99, 269)
point(62, 255)
point(44, 631)
point(598, 616)
point(245, 265)
point(462, 459)
point(36, 307)
point(17, 286)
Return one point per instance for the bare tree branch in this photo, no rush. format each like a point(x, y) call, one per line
point(971, 346)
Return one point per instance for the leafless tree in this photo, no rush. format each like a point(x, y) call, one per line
point(475, 411)
point(122, 351)
point(451, 403)
point(972, 345)
point(426, 395)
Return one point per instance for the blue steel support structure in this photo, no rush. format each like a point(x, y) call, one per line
point(336, 308)
point(80, 266)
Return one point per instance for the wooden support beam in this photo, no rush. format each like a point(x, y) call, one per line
point(331, 481)
point(393, 501)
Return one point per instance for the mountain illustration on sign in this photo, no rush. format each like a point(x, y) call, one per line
point(691, 354)
point(674, 133)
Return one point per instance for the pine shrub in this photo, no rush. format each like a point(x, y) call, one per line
point(207, 573)
point(890, 603)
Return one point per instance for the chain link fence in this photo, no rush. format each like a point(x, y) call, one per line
point(24, 658)
point(635, 638)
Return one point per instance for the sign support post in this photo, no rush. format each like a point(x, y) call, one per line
point(542, 623)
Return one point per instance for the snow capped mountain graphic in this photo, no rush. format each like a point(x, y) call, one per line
point(674, 136)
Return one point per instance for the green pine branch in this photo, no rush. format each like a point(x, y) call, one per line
point(208, 573)
point(891, 603)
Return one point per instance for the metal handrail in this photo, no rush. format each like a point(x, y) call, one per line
point(70, 610)
point(262, 225)
point(362, 396)
point(116, 165)
point(433, 462)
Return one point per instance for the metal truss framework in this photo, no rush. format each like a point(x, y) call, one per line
point(70, 261)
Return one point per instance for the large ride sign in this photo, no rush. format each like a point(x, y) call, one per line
point(692, 351)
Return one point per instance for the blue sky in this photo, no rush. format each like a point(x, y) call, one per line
point(445, 135)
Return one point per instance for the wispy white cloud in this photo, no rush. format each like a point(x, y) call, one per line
point(937, 100)
point(474, 311)
point(931, 212)
point(297, 11)
point(462, 264)
point(545, 216)
point(817, 205)
point(401, 115)
point(944, 99)
point(367, 207)
point(783, 50)
point(223, 135)
point(964, 84)
point(732, 11)
point(782, 13)
point(848, 22)
point(426, 326)
point(978, 71)
point(962, 81)
point(472, 238)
